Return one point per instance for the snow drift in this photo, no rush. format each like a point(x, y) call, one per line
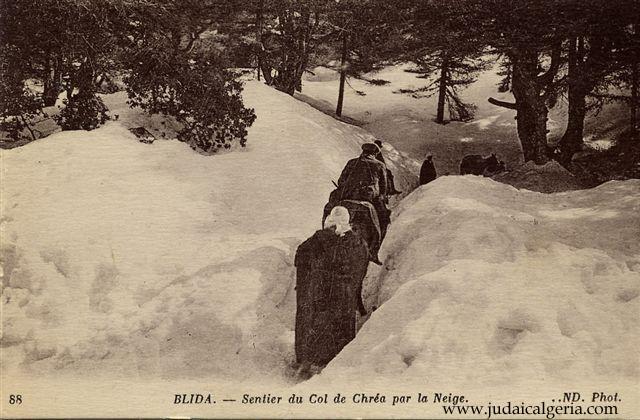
point(485, 285)
point(131, 259)
point(548, 178)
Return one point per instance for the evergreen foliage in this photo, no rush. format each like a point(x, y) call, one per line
point(442, 42)
point(176, 57)
point(362, 38)
point(19, 105)
point(173, 72)
point(65, 45)
point(292, 31)
point(82, 112)
point(168, 49)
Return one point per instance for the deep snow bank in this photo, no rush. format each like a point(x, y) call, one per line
point(132, 259)
point(486, 285)
point(548, 178)
point(125, 258)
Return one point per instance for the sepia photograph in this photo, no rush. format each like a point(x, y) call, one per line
point(320, 209)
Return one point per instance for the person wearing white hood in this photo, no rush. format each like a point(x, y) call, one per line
point(330, 268)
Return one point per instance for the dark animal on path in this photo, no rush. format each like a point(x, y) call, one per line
point(479, 165)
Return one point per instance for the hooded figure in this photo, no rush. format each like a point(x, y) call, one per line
point(427, 171)
point(330, 267)
point(365, 179)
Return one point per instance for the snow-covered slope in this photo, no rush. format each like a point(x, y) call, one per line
point(486, 285)
point(408, 123)
point(124, 257)
point(151, 262)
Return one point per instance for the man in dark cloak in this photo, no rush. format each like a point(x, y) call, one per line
point(365, 178)
point(427, 171)
point(330, 267)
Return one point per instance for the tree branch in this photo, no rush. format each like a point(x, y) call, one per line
point(193, 37)
point(503, 104)
point(26, 124)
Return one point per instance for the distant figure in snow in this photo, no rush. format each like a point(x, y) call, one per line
point(391, 186)
point(478, 165)
point(330, 267)
point(365, 178)
point(427, 171)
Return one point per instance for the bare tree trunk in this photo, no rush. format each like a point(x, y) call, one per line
point(531, 107)
point(442, 89)
point(531, 91)
point(259, 36)
point(303, 49)
point(287, 70)
point(52, 83)
point(266, 72)
point(296, 43)
point(532, 130)
point(634, 98)
point(572, 139)
point(343, 74)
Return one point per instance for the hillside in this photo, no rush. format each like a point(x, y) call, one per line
point(408, 123)
point(122, 255)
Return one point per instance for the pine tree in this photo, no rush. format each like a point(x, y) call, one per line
point(291, 33)
point(447, 73)
point(623, 82)
point(289, 37)
point(506, 71)
point(174, 71)
point(446, 52)
point(67, 45)
point(596, 34)
point(19, 105)
point(529, 36)
point(362, 39)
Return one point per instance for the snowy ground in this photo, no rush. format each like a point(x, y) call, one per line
point(125, 257)
point(408, 123)
point(488, 285)
point(151, 264)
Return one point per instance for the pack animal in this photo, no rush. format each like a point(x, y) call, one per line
point(479, 165)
